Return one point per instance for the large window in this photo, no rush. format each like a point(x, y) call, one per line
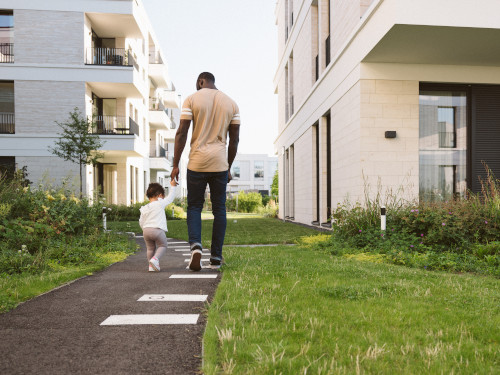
point(235, 170)
point(258, 167)
point(443, 144)
point(6, 36)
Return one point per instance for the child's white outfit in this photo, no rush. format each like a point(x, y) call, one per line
point(153, 222)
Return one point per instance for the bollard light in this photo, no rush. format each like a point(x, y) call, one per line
point(382, 218)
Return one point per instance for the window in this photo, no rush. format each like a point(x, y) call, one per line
point(6, 36)
point(258, 169)
point(235, 169)
point(442, 145)
point(7, 120)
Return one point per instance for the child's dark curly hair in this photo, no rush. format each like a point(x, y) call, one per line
point(155, 189)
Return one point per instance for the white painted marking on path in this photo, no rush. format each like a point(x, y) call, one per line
point(202, 260)
point(188, 276)
point(187, 250)
point(114, 320)
point(189, 254)
point(174, 297)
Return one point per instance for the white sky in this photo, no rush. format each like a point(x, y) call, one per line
point(236, 41)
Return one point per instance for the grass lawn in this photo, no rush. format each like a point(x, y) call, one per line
point(18, 288)
point(294, 310)
point(241, 229)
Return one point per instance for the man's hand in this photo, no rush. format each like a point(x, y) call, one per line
point(174, 176)
point(229, 177)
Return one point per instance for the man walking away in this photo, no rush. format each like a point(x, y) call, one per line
point(214, 115)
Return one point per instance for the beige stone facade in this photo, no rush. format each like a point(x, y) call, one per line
point(349, 71)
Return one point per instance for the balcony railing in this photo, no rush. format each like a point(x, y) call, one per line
point(7, 123)
point(6, 52)
point(110, 56)
point(161, 153)
point(155, 58)
point(114, 125)
point(156, 105)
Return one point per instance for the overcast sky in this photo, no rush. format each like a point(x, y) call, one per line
point(236, 41)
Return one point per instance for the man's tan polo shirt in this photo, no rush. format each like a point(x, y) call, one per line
point(212, 112)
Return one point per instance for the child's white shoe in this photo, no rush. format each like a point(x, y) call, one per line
point(151, 269)
point(155, 263)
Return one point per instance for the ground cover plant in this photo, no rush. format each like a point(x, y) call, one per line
point(460, 235)
point(303, 310)
point(241, 229)
point(47, 237)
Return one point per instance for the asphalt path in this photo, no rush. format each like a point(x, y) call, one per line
point(62, 332)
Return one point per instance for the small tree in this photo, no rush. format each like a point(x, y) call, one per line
point(77, 143)
point(274, 186)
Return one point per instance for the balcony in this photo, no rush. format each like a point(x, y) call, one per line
point(160, 159)
point(7, 123)
point(110, 56)
point(6, 52)
point(158, 117)
point(112, 125)
point(427, 32)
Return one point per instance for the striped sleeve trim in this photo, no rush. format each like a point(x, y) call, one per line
point(235, 119)
point(186, 114)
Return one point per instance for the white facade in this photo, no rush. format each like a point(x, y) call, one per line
point(103, 58)
point(351, 70)
point(252, 172)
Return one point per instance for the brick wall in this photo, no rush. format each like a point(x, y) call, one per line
point(59, 41)
point(302, 63)
point(303, 177)
point(390, 105)
point(40, 103)
point(51, 170)
point(344, 17)
point(346, 172)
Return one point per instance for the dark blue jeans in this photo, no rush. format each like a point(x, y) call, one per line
point(196, 186)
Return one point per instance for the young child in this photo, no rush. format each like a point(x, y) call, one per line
point(154, 222)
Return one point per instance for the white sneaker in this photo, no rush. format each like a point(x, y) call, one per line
point(155, 263)
point(151, 269)
point(195, 263)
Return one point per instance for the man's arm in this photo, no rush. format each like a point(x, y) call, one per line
point(234, 139)
point(180, 143)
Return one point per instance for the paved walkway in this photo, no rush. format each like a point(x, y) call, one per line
point(123, 320)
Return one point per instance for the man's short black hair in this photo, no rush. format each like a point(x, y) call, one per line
point(208, 76)
point(155, 189)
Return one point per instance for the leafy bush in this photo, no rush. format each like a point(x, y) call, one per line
point(270, 210)
point(249, 202)
point(42, 225)
point(459, 235)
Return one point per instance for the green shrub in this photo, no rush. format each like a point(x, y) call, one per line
point(179, 212)
point(270, 210)
point(249, 202)
point(459, 235)
point(47, 224)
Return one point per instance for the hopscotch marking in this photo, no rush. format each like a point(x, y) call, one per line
point(173, 298)
point(187, 276)
point(189, 254)
point(201, 260)
point(115, 320)
point(206, 250)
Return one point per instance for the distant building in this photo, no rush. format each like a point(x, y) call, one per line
point(102, 57)
point(253, 172)
point(403, 93)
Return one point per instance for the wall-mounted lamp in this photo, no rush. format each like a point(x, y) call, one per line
point(390, 134)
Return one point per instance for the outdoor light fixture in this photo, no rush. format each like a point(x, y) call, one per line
point(390, 134)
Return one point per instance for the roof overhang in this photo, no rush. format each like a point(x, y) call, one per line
point(441, 45)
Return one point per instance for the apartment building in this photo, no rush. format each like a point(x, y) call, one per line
point(102, 57)
point(253, 172)
point(381, 95)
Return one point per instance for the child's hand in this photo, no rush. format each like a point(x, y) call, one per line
point(173, 183)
